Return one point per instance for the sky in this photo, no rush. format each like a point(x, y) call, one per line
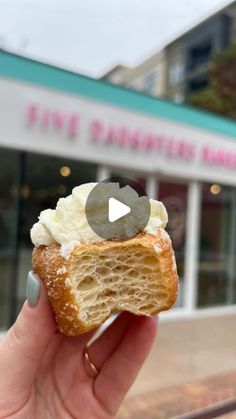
point(91, 36)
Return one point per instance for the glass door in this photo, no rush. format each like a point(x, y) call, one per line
point(217, 246)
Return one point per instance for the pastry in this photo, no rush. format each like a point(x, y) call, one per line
point(88, 278)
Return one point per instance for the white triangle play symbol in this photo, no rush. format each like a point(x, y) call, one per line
point(117, 209)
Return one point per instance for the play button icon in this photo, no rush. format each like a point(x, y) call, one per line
point(117, 210)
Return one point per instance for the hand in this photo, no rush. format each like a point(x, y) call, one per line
point(44, 374)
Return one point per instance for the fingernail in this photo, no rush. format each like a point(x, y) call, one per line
point(33, 289)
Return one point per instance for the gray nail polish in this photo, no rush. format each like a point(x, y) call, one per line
point(33, 289)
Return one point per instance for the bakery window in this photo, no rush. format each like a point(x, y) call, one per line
point(217, 246)
point(9, 180)
point(174, 197)
point(29, 183)
point(47, 179)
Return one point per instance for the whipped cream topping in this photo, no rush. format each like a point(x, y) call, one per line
point(68, 225)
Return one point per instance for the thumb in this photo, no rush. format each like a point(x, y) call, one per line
point(24, 345)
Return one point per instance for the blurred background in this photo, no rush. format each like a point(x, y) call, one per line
point(147, 91)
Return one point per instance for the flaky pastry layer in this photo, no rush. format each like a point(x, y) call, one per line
point(138, 275)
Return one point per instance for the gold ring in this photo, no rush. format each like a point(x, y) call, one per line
point(90, 364)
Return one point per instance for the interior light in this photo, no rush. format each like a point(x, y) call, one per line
point(215, 189)
point(25, 191)
point(65, 171)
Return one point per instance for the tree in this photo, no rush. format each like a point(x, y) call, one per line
point(220, 95)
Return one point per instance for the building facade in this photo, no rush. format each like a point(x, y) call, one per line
point(189, 57)
point(59, 129)
point(175, 77)
point(148, 77)
point(182, 67)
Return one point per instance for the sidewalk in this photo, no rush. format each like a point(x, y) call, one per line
point(207, 398)
point(186, 351)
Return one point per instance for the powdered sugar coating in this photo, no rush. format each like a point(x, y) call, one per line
point(61, 270)
point(67, 282)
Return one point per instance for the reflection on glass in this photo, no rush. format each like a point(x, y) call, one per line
point(43, 186)
point(8, 218)
point(217, 268)
point(174, 197)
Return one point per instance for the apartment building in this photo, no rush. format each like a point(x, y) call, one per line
point(189, 57)
point(182, 67)
point(175, 76)
point(148, 77)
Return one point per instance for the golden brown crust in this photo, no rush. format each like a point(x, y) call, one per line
point(53, 270)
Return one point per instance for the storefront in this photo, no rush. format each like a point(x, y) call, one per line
point(59, 129)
